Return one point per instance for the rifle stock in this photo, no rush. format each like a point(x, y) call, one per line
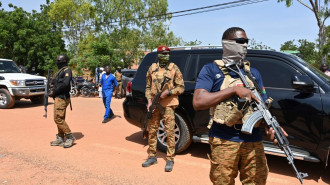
point(155, 104)
point(47, 93)
point(262, 112)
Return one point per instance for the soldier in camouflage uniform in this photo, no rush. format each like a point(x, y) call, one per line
point(217, 88)
point(168, 100)
point(61, 88)
point(118, 76)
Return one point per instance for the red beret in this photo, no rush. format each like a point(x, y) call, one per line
point(162, 48)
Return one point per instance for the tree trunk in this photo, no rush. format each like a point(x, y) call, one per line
point(321, 43)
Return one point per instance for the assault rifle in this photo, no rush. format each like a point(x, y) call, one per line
point(155, 104)
point(47, 93)
point(261, 112)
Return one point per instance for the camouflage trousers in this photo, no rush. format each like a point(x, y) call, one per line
point(118, 89)
point(169, 123)
point(60, 106)
point(229, 157)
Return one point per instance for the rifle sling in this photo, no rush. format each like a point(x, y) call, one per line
point(248, 73)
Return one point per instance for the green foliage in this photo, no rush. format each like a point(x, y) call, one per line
point(306, 49)
point(97, 33)
point(73, 17)
point(29, 38)
point(321, 12)
point(326, 48)
point(192, 43)
point(253, 44)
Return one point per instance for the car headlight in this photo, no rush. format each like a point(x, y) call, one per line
point(18, 82)
point(45, 82)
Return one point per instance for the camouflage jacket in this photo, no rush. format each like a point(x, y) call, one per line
point(155, 76)
point(118, 76)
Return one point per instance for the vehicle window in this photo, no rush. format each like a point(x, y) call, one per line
point(275, 73)
point(205, 59)
point(8, 67)
point(312, 68)
point(190, 74)
point(180, 61)
point(129, 74)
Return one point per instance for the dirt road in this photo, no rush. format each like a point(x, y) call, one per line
point(109, 153)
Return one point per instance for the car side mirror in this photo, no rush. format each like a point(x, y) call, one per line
point(2, 78)
point(303, 83)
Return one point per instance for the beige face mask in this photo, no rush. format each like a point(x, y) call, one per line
point(233, 52)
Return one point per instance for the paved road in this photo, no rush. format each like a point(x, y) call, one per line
point(109, 153)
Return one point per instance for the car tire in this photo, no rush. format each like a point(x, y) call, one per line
point(183, 136)
point(6, 100)
point(38, 99)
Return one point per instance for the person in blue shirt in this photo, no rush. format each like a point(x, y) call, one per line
point(216, 89)
point(107, 82)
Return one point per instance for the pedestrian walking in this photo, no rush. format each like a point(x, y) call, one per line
point(108, 82)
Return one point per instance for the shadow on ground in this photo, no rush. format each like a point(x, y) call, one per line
point(22, 104)
point(137, 138)
point(78, 135)
point(316, 171)
point(196, 149)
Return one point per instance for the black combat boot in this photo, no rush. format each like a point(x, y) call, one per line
point(169, 166)
point(150, 161)
point(58, 142)
point(69, 140)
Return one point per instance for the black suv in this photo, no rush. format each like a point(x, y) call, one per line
point(301, 104)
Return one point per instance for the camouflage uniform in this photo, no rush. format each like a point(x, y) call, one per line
point(155, 76)
point(229, 157)
point(118, 76)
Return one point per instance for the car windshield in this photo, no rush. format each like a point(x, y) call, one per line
point(8, 67)
point(312, 68)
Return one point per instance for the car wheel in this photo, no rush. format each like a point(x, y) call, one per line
point(6, 100)
point(182, 134)
point(38, 99)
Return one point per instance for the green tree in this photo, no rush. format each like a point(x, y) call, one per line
point(99, 52)
point(321, 12)
point(29, 38)
point(192, 43)
point(306, 49)
point(253, 44)
point(159, 34)
point(74, 18)
point(326, 48)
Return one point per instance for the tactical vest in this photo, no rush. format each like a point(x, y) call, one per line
point(157, 77)
point(58, 79)
point(226, 112)
point(118, 76)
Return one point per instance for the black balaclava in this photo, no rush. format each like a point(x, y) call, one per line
point(62, 61)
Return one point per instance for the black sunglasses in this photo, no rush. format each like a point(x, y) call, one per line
point(241, 40)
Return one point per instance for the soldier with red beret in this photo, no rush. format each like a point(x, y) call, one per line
point(168, 100)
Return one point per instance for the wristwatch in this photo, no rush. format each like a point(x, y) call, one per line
point(169, 93)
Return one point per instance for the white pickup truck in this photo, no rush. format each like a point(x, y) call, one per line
point(15, 85)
